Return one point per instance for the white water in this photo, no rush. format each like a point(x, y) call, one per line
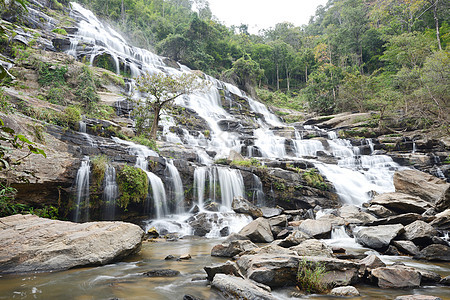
point(258, 194)
point(110, 192)
point(82, 188)
point(178, 190)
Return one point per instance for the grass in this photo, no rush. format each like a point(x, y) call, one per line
point(309, 277)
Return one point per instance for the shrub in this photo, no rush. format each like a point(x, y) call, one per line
point(309, 277)
point(71, 116)
point(86, 92)
point(314, 179)
point(133, 185)
point(51, 75)
point(57, 95)
point(99, 164)
point(60, 31)
point(143, 140)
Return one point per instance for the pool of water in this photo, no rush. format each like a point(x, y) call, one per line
point(124, 280)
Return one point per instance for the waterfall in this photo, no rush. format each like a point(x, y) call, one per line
point(231, 185)
point(82, 126)
point(177, 187)
point(258, 193)
point(82, 188)
point(110, 193)
point(199, 185)
point(159, 195)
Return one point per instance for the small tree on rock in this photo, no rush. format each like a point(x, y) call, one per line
point(159, 91)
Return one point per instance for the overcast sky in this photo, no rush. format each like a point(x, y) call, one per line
point(262, 14)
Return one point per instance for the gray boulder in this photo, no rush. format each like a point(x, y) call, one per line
point(396, 277)
point(339, 272)
point(236, 287)
point(406, 247)
point(313, 248)
point(421, 184)
point(436, 252)
point(243, 206)
point(380, 211)
point(345, 291)
point(295, 238)
point(280, 220)
point(269, 212)
point(232, 248)
point(319, 229)
point(32, 244)
point(419, 232)
point(372, 262)
point(429, 277)
point(353, 214)
point(229, 268)
point(401, 203)
point(258, 231)
point(378, 237)
point(443, 202)
point(442, 220)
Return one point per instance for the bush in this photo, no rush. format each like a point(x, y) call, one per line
point(314, 179)
point(99, 164)
point(133, 185)
point(60, 31)
point(71, 117)
point(309, 277)
point(51, 75)
point(86, 92)
point(57, 95)
point(143, 140)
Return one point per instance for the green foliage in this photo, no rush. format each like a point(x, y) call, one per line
point(280, 99)
point(49, 212)
point(57, 95)
point(99, 164)
point(86, 92)
point(51, 75)
point(133, 185)
point(314, 179)
point(60, 31)
point(5, 106)
point(221, 161)
point(143, 140)
point(310, 275)
point(253, 162)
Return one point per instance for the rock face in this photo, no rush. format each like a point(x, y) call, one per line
point(419, 232)
point(233, 248)
point(29, 243)
point(397, 277)
point(442, 220)
point(435, 252)
point(378, 237)
point(423, 185)
point(401, 203)
point(313, 248)
point(258, 231)
point(238, 288)
point(243, 206)
point(320, 229)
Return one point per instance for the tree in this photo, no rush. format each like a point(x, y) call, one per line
point(160, 90)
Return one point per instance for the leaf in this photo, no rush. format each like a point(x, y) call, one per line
point(7, 130)
point(24, 139)
point(37, 150)
point(4, 74)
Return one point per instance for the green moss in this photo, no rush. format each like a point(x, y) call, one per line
point(60, 31)
point(99, 164)
point(133, 185)
point(278, 185)
point(253, 162)
point(314, 179)
point(221, 161)
point(143, 140)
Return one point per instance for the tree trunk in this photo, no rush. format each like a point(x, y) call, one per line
point(278, 79)
point(287, 79)
point(306, 73)
point(122, 14)
point(437, 24)
point(154, 129)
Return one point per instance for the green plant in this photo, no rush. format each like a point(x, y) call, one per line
point(57, 95)
point(99, 164)
point(5, 106)
point(221, 161)
point(314, 179)
point(310, 277)
point(133, 185)
point(51, 75)
point(71, 116)
point(60, 31)
point(143, 140)
point(86, 92)
point(279, 185)
point(49, 212)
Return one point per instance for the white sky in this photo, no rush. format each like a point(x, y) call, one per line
point(262, 14)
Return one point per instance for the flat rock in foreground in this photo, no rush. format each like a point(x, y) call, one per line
point(29, 243)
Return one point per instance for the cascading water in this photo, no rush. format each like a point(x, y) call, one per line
point(258, 194)
point(177, 185)
point(82, 188)
point(110, 193)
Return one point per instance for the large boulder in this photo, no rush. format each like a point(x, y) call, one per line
point(396, 277)
point(320, 229)
point(258, 231)
point(269, 212)
point(435, 252)
point(345, 291)
point(353, 214)
point(372, 262)
point(423, 185)
point(232, 248)
point(443, 202)
point(32, 244)
point(238, 288)
point(313, 248)
point(401, 203)
point(229, 268)
point(420, 233)
point(243, 206)
point(293, 239)
point(378, 237)
point(406, 247)
point(442, 220)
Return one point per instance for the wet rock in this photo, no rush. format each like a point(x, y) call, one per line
point(162, 273)
point(213, 206)
point(424, 185)
point(439, 240)
point(152, 233)
point(258, 231)
point(417, 297)
point(243, 206)
point(429, 277)
point(401, 203)
point(443, 202)
point(445, 280)
point(283, 234)
point(442, 220)
point(313, 248)
point(235, 156)
point(235, 237)
point(224, 231)
point(396, 277)
point(280, 220)
point(339, 272)
point(232, 248)
point(190, 297)
point(403, 219)
point(378, 237)
point(345, 291)
point(293, 239)
point(229, 268)
point(380, 211)
point(272, 248)
point(351, 212)
point(31, 244)
point(247, 290)
point(406, 247)
point(436, 252)
point(392, 250)
point(320, 229)
point(419, 232)
point(269, 212)
point(185, 256)
point(372, 262)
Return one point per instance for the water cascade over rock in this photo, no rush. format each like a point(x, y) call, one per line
point(82, 189)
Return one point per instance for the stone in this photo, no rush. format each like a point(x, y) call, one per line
point(243, 206)
point(429, 277)
point(235, 156)
point(170, 257)
point(283, 234)
point(345, 291)
point(392, 250)
point(442, 220)
point(229, 268)
point(419, 232)
point(293, 239)
point(213, 206)
point(32, 244)
point(258, 231)
point(380, 211)
point(372, 262)
point(272, 248)
point(185, 256)
point(319, 229)
point(406, 247)
point(234, 287)
point(349, 212)
point(445, 280)
point(443, 202)
point(232, 248)
point(396, 277)
point(269, 212)
point(421, 184)
point(313, 248)
point(378, 237)
point(417, 297)
point(404, 219)
point(401, 203)
point(235, 237)
point(152, 233)
point(162, 273)
point(436, 252)
point(280, 220)
point(190, 297)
